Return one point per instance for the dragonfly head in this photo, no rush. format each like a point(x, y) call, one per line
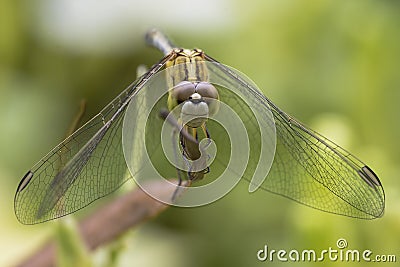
point(197, 100)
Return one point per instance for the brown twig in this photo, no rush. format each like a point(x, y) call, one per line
point(108, 222)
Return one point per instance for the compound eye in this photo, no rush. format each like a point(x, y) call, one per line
point(210, 95)
point(182, 91)
point(207, 90)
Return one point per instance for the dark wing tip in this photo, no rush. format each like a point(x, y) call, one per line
point(369, 176)
point(25, 181)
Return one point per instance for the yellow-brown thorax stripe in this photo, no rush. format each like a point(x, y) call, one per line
point(189, 65)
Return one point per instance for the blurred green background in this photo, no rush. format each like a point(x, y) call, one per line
point(334, 65)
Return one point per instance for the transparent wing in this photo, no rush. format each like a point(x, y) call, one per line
point(86, 166)
point(312, 170)
point(73, 174)
point(315, 171)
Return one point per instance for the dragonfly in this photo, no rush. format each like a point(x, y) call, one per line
point(90, 163)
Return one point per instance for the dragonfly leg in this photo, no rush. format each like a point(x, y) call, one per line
point(207, 170)
point(205, 130)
